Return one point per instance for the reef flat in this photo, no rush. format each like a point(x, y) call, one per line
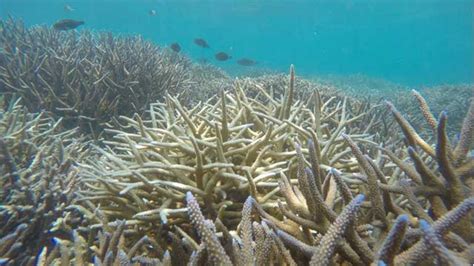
point(114, 152)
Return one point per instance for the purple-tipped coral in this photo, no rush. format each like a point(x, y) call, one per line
point(335, 232)
point(393, 241)
point(212, 245)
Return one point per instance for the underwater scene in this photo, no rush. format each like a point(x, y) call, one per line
point(236, 132)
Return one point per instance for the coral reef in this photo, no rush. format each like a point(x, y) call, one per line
point(108, 250)
point(372, 89)
point(220, 150)
point(207, 81)
point(270, 170)
point(38, 177)
point(87, 79)
point(363, 87)
point(455, 105)
point(276, 84)
point(234, 146)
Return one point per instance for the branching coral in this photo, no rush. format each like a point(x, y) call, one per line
point(455, 169)
point(110, 250)
point(212, 245)
point(267, 171)
point(38, 179)
point(234, 145)
point(86, 78)
point(434, 100)
point(207, 81)
point(220, 150)
point(328, 243)
point(310, 199)
point(264, 243)
point(322, 253)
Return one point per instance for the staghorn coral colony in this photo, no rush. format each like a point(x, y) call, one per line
point(261, 171)
point(87, 79)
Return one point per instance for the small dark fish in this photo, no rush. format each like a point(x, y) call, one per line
point(175, 47)
point(67, 24)
point(221, 56)
point(152, 12)
point(201, 42)
point(246, 62)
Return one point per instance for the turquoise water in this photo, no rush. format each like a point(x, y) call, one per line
point(409, 42)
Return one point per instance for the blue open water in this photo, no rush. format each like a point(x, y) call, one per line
point(411, 42)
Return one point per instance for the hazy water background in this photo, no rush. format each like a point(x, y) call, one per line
point(411, 42)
